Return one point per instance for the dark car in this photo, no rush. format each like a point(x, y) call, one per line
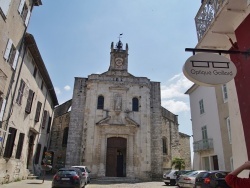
point(68, 177)
point(211, 179)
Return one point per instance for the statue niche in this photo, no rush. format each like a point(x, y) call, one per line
point(118, 103)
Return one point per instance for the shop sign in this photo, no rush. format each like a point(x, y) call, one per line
point(209, 69)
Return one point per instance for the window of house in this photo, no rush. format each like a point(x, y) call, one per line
point(100, 102)
point(65, 137)
point(201, 106)
point(24, 12)
point(42, 85)
point(20, 146)
point(35, 71)
point(135, 104)
point(38, 110)
point(29, 101)
point(204, 132)
point(11, 54)
point(224, 92)
point(20, 92)
point(45, 114)
point(10, 143)
point(164, 146)
point(38, 151)
point(49, 124)
point(4, 7)
point(229, 130)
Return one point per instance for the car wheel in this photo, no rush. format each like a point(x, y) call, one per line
point(172, 182)
point(166, 183)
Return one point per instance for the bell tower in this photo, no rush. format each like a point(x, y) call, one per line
point(118, 57)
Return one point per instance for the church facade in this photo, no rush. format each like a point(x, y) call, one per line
point(117, 126)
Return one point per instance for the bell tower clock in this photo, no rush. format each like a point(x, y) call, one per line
point(118, 57)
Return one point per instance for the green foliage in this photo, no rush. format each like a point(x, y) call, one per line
point(178, 163)
point(16, 180)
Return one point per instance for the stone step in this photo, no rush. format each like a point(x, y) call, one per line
point(32, 176)
point(116, 179)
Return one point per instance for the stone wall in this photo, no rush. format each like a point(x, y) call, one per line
point(185, 150)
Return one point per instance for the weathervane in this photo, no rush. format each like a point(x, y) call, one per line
point(119, 44)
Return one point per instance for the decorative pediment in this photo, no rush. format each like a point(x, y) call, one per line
point(131, 121)
point(104, 121)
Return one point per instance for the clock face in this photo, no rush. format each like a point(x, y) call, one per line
point(119, 61)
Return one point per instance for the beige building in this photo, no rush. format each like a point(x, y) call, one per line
point(116, 125)
point(26, 127)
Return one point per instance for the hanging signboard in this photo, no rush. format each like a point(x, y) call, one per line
point(209, 69)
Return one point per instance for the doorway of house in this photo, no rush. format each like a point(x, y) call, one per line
point(116, 157)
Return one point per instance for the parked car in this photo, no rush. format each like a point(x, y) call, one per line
point(85, 172)
point(68, 177)
point(179, 173)
point(211, 179)
point(169, 177)
point(188, 179)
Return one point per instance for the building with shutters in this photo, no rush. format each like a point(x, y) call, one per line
point(26, 123)
point(116, 126)
point(224, 25)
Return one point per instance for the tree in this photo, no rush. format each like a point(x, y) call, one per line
point(178, 163)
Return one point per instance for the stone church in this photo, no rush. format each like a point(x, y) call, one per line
point(115, 125)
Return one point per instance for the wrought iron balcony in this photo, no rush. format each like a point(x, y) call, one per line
point(202, 145)
point(206, 15)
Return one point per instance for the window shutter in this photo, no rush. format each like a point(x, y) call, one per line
point(4, 5)
point(38, 110)
point(27, 18)
point(20, 146)
point(10, 143)
point(29, 101)
point(20, 8)
point(45, 113)
point(8, 48)
point(2, 109)
point(20, 92)
point(15, 60)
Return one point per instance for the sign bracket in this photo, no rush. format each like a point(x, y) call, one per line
point(194, 50)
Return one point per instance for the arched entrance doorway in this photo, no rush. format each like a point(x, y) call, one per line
point(116, 157)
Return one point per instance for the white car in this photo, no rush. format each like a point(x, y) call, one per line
point(85, 173)
point(169, 177)
point(188, 179)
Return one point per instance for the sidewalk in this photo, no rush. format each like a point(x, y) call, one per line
point(30, 183)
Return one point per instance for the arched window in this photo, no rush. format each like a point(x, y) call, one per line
point(135, 104)
point(65, 137)
point(164, 146)
point(100, 102)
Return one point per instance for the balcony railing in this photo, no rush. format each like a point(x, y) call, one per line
point(202, 145)
point(206, 14)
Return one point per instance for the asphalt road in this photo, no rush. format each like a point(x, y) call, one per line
point(37, 183)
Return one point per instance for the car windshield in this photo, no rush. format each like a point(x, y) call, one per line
point(68, 172)
point(167, 172)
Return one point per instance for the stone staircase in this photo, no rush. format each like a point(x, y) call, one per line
point(115, 180)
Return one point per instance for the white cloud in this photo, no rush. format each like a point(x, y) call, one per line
point(175, 106)
point(172, 94)
point(57, 90)
point(67, 88)
point(178, 85)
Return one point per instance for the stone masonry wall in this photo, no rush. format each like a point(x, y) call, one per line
point(74, 149)
point(156, 130)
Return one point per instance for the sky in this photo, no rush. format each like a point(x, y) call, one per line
point(74, 39)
